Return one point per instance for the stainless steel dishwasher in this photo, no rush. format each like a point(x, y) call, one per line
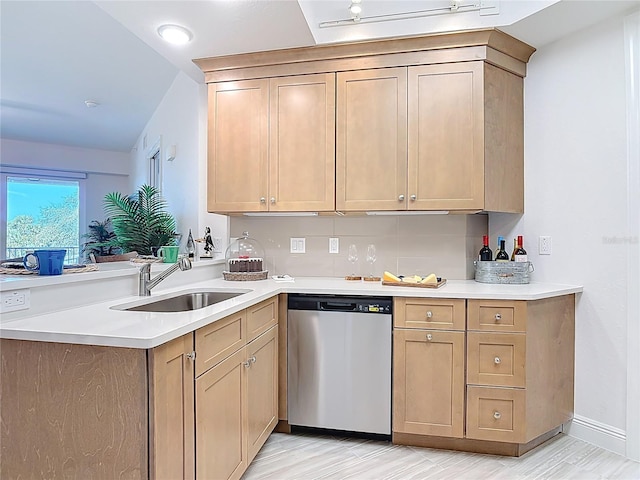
point(339, 363)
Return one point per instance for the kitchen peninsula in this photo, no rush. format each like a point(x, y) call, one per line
point(138, 378)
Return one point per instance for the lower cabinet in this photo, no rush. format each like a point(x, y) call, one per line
point(428, 388)
point(171, 420)
point(518, 387)
point(236, 408)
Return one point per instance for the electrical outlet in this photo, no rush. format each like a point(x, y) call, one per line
point(544, 245)
point(14, 300)
point(334, 245)
point(297, 245)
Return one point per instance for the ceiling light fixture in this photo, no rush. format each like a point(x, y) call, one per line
point(175, 34)
point(91, 103)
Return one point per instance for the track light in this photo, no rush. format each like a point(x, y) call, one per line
point(356, 9)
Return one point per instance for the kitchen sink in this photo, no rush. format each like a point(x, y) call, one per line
point(181, 302)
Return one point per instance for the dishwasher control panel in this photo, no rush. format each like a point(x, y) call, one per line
point(374, 308)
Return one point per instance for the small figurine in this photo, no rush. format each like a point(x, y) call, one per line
point(208, 243)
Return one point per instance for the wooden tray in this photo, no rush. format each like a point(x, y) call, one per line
point(419, 285)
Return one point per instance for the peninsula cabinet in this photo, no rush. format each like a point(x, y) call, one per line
point(272, 144)
point(518, 388)
point(198, 406)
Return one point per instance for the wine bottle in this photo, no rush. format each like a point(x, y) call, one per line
point(515, 247)
point(485, 253)
point(520, 253)
point(502, 255)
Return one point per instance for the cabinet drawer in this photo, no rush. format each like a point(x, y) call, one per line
point(261, 317)
point(496, 359)
point(218, 340)
point(429, 313)
point(496, 414)
point(497, 315)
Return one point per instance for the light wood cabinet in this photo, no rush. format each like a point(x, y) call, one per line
point(272, 144)
point(221, 419)
point(262, 390)
point(428, 367)
point(171, 396)
point(371, 140)
point(520, 368)
point(428, 383)
point(425, 138)
point(236, 401)
point(518, 388)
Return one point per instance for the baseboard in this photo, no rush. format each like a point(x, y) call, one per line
point(598, 434)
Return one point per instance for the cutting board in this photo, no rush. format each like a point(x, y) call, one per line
point(419, 285)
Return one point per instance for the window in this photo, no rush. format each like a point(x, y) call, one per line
point(154, 156)
point(41, 212)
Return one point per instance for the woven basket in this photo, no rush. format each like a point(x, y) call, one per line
point(503, 272)
point(245, 276)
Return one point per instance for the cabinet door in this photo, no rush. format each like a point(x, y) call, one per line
point(262, 389)
point(428, 382)
point(171, 410)
point(371, 140)
point(221, 420)
point(238, 146)
point(446, 139)
point(302, 143)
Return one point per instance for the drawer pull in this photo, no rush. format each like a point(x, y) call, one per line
point(429, 314)
point(496, 360)
point(498, 317)
point(429, 337)
point(497, 415)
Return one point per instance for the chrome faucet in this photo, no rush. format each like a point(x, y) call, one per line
point(145, 283)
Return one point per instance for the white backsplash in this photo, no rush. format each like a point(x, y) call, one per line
point(445, 245)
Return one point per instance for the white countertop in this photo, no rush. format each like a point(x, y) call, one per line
point(98, 324)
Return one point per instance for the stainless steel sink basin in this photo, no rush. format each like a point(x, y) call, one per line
point(181, 302)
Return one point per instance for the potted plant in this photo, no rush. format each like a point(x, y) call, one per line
point(99, 237)
point(140, 221)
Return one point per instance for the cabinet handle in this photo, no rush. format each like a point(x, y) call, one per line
point(273, 200)
point(497, 415)
point(191, 356)
point(252, 359)
point(498, 317)
point(413, 198)
point(246, 364)
point(263, 200)
point(496, 360)
point(401, 198)
point(429, 314)
point(429, 337)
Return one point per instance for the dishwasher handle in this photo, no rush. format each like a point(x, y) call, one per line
point(333, 306)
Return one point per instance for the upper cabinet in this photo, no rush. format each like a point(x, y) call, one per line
point(272, 144)
point(422, 123)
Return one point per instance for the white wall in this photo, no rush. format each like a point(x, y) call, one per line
point(107, 171)
point(181, 120)
point(576, 191)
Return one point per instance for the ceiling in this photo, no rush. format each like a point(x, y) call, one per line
point(55, 55)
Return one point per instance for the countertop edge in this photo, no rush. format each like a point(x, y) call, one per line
point(148, 330)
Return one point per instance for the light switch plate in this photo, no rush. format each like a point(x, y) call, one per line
point(334, 245)
point(298, 245)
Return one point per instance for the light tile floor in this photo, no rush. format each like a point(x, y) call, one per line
point(311, 457)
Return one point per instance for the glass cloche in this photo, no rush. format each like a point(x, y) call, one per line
point(245, 259)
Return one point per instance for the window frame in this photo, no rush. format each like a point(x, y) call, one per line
point(6, 172)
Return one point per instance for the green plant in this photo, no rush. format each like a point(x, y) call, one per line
point(140, 220)
point(100, 237)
